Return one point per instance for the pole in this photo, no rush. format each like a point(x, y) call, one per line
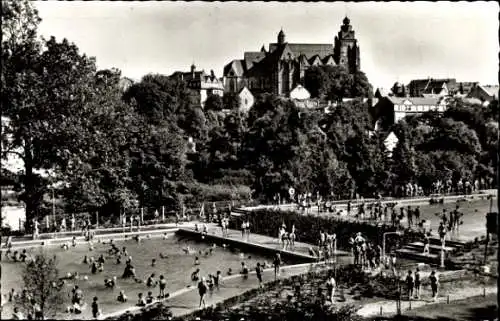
point(486, 248)
point(383, 246)
point(53, 205)
point(96, 220)
point(142, 215)
point(163, 213)
point(442, 251)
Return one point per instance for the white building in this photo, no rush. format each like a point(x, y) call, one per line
point(246, 99)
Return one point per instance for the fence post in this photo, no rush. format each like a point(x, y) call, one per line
point(380, 310)
point(163, 213)
point(448, 299)
point(142, 215)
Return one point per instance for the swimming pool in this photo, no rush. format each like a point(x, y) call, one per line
point(176, 268)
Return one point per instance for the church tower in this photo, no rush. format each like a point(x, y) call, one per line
point(346, 50)
point(281, 37)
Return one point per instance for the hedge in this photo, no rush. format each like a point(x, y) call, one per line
point(308, 227)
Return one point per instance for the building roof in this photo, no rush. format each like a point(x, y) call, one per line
point(251, 57)
point(383, 92)
point(491, 90)
point(328, 60)
point(315, 60)
point(431, 101)
point(308, 49)
point(237, 65)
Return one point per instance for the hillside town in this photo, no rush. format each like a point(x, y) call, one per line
point(282, 186)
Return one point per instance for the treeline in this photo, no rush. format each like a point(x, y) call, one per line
point(114, 149)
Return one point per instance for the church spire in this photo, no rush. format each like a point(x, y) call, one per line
point(281, 37)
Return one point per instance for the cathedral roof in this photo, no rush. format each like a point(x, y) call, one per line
point(252, 57)
point(237, 65)
point(315, 60)
point(431, 101)
point(308, 49)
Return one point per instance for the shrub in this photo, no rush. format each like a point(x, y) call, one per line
point(268, 221)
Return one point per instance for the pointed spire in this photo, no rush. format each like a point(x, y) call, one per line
point(263, 49)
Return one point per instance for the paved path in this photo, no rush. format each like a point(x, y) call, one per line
point(269, 242)
point(389, 306)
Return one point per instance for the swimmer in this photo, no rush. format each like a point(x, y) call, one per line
point(119, 259)
point(165, 236)
point(85, 260)
point(122, 297)
point(244, 270)
point(196, 261)
point(151, 282)
point(195, 276)
point(149, 298)
point(153, 262)
point(230, 271)
point(162, 256)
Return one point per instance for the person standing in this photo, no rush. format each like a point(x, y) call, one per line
point(95, 308)
point(416, 213)
point(258, 272)
point(417, 283)
point(427, 243)
point(162, 285)
point(247, 229)
point(243, 229)
point(277, 264)
point(434, 284)
point(331, 285)
point(202, 290)
point(409, 213)
point(410, 284)
point(349, 207)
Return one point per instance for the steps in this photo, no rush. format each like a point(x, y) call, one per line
point(415, 250)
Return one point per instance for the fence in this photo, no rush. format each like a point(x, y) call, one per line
point(205, 211)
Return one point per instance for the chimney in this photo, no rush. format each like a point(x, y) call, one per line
point(212, 74)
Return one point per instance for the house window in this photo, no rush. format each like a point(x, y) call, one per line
point(246, 101)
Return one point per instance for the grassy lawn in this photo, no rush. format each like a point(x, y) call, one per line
point(475, 308)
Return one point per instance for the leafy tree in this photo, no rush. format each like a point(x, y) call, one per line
point(44, 89)
point(214, 102)
point(335, 83)
point(41, 281)
point(231, 101)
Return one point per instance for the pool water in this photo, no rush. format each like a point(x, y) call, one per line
point(176, 268)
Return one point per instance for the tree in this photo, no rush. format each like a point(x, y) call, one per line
point(335, 83)
point(44, 87)
point(231, 101)
point(41, 281)
point(214, 102)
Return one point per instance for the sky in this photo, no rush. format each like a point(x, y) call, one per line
point(399, 41)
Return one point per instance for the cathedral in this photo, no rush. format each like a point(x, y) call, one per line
point(280, 69)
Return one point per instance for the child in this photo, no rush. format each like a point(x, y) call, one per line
point(434, 284)
point(122, 297)
point(217, 279)
point(149, 298)
point(410, 284)
point(417, 284)
point(277, 263)
point(73, 241)
point(151, 282)
point(141, 301)
point(244, 270)
point(195, 275)
point(258, 271)
point(95, 308)
point(202, 290)
point(163, 285)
